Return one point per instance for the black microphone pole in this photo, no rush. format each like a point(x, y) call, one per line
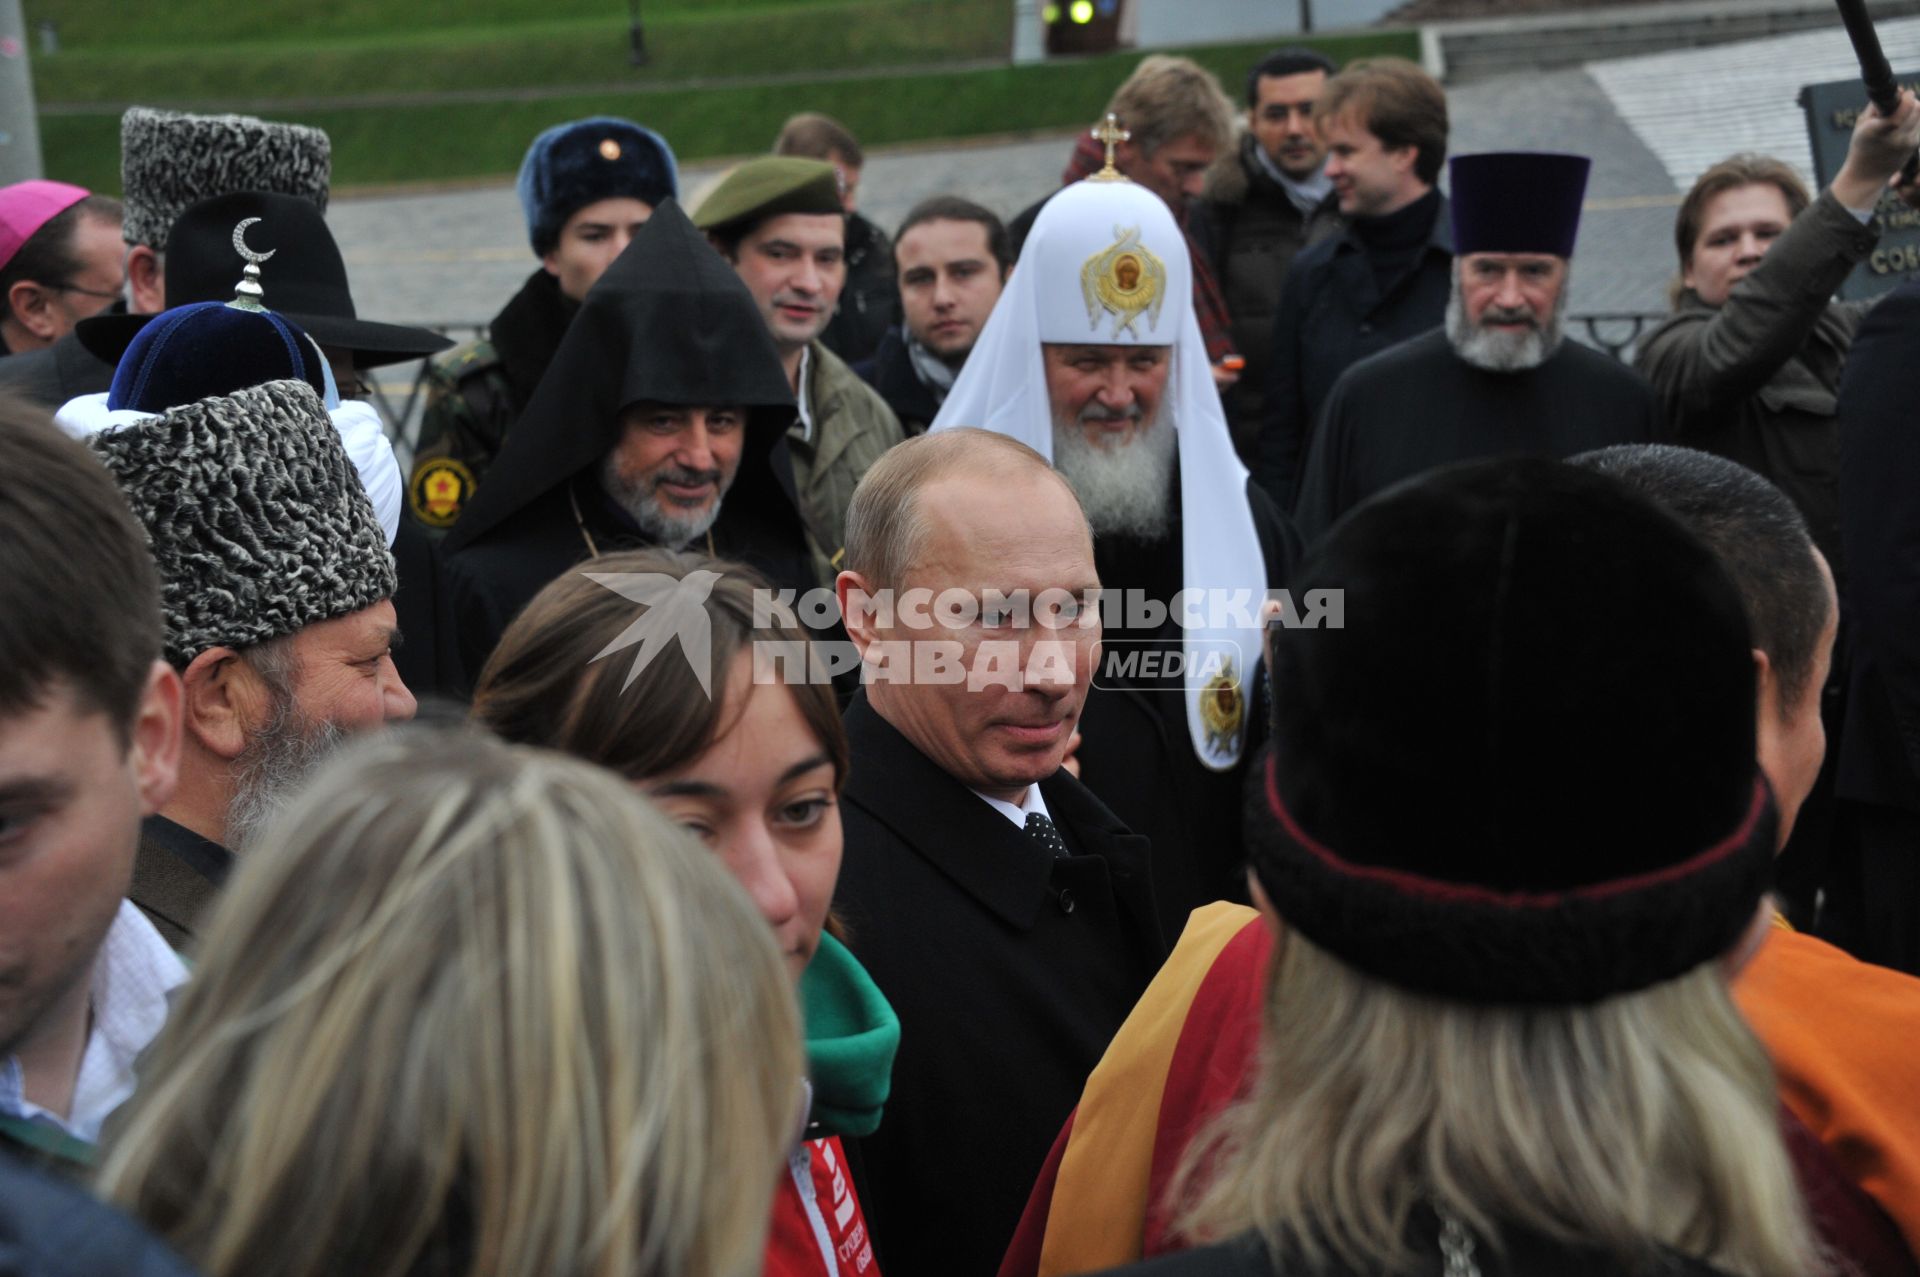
point(1874, 71)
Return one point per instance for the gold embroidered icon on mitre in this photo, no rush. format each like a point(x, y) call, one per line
point(1126, 281)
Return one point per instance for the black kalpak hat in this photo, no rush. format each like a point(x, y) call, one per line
point(1517, 202)
point(1523, 772)
point(306, 281)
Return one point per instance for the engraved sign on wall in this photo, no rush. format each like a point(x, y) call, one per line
point(1832, 110)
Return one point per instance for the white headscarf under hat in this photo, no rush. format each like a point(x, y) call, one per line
point(1105, 264)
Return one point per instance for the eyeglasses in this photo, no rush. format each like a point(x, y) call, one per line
point(91, 292)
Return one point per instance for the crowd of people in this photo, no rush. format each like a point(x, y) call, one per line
point(1192, 730)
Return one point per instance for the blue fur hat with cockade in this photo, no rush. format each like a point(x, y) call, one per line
point(572, 165)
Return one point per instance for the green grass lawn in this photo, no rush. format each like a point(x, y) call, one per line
point(690, 44)
point(174, 54)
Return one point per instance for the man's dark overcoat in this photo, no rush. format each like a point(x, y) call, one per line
point(1010, 971)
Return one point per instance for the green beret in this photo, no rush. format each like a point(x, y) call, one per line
point(767, 187)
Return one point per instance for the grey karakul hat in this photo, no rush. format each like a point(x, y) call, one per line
point(256, 519)
point(170, 161)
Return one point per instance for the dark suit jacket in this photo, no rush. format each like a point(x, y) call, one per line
point(1879, 747)
point(1009, 970)
point(176, 874)
point(54, 374)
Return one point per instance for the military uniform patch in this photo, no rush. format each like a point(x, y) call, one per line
point(439, 488)
point(1126, 281)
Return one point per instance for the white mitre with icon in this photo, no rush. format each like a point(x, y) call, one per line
point(1106, 264)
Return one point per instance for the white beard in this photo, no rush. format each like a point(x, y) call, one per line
point(668, 529)
point(1124, 489)
point(1505, 352)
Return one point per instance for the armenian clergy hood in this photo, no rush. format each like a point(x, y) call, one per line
point(1499, 378)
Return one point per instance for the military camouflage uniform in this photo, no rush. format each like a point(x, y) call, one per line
point(475, 392)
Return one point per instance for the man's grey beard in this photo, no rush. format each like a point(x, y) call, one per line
point(1126, 488)
point(667, 528)
point(276, 761)
point(1505, 352)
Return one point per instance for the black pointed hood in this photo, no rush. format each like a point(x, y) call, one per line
point(669, 322)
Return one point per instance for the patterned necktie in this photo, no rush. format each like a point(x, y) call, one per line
point(1041, 830)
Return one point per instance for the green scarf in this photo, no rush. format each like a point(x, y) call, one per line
point(851, 1036)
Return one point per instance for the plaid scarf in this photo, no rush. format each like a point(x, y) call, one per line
point(1209, 304)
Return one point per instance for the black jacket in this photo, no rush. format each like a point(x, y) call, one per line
point(1879, 747)
point(54, 374)
point(890, 372)
point(1136, 752)
point(870, 299)
point(668, 322)
point(1333, 315)
point(1009, 970)
point(52, 1229)
point(176, 875)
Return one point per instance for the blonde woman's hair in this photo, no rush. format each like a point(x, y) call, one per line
point(470, 1008)
point(1646, 1120)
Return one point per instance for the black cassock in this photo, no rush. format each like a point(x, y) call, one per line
point(1419, 405)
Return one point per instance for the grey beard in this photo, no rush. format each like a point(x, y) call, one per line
point(673, 531)
point(1505, 352)
point(1123, 489)
point(273, 766)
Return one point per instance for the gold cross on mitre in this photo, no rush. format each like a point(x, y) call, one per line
point(1109, 134)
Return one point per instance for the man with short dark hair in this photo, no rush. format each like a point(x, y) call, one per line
point(1005, 910)
point(869, 303)
point(89, 745)
point(1500, 378)
point(954, 257)
point(1259, 208)
point(1385, 278)
point(781, 223)
point(59, 261)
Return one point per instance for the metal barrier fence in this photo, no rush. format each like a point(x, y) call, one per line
point(399, 391)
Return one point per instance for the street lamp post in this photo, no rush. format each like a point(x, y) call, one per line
point(636, 37)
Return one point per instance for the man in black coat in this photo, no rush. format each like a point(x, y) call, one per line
point(1877, 773)
point(1005, 912)
point(1385, 278)
point(1500, 379)
point(660, 421)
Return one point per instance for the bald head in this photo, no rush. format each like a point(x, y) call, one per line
point(886, 528)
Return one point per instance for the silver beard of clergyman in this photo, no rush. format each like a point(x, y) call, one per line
point(274, 765)
point(1500, 351)
point(1125, 488)
point(673, 531)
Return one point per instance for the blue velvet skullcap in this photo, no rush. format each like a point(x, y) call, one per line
point(206, 349)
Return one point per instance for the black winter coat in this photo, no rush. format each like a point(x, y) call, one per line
point(1332, 315)
point(890, 372)
point(1010, 971)
point(870, 299)
point(1879, 746)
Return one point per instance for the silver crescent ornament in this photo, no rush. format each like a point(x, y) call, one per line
point(247, 294)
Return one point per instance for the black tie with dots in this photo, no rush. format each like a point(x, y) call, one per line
point(1041, 830)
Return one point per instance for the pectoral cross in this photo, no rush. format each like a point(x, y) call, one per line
point(1109, 134)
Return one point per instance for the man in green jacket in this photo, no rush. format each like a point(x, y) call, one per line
point(780, 222)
